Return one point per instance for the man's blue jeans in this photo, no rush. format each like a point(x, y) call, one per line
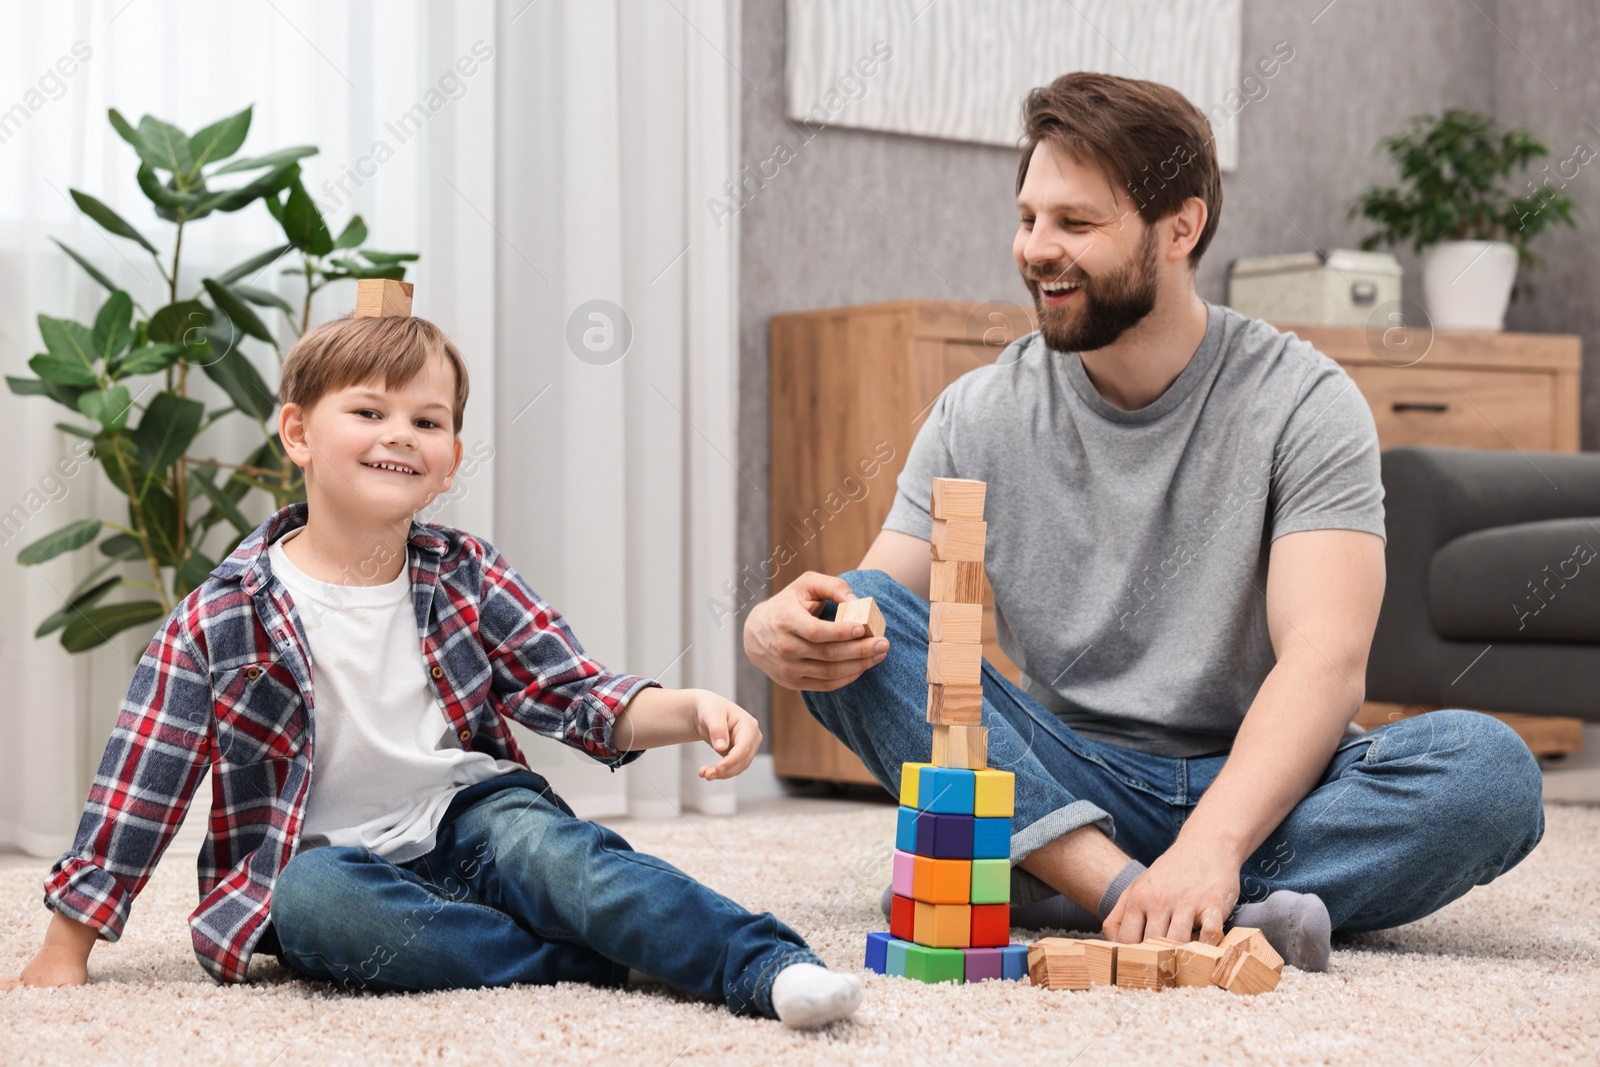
point(517, 889)
point(1406, 818)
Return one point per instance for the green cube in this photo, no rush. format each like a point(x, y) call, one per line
point(933, 965)
point(991, 881)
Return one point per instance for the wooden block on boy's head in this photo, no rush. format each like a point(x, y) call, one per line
point(955, 705)
point(862, 611)
point(961, 746)
point(958, 498)
point(994, 794)
point(953, 664)
point(959, 539)
point(962, 623)
point(382, 297)
point(956, 581)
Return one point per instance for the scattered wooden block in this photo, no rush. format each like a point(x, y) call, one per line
point(1146, 966)
point(1070, 963)
point(1197, 963)
point(1254, 942)
point(959, 539)
point(955, 705)
point(958, 498)
point(961, 746)
point(953, 664)
point(382, 297)
point(956, 581)
point(1247, 973)
point(962, 623)
point(862, 611)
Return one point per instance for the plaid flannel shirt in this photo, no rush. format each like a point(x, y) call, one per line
point(226, 684)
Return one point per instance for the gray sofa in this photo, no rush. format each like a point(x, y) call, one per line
point(1496, 550)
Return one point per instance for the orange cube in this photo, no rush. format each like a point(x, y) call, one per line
point(942, 881)
point(944, 925)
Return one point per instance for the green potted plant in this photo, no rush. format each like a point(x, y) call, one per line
point(1456, 206)
point(125, 377)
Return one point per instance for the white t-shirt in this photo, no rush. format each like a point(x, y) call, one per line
point(387, 761)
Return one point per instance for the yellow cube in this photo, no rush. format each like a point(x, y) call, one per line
point(943, 925)
point(909, 773)
point(994, 795)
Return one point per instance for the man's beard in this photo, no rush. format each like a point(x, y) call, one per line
point(1111, 304)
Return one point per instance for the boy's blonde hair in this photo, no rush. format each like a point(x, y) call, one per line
point(351, 351)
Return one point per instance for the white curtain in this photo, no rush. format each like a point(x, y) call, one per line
point(573, 150)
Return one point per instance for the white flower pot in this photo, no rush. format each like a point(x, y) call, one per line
point(1468, 283)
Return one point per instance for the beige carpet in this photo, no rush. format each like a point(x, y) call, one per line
point(1505, 976)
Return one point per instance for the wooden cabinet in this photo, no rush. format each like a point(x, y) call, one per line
point(850, 389)
point(1466, 389)
point(852, 386)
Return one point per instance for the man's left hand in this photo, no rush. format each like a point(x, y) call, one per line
point(1187, 887)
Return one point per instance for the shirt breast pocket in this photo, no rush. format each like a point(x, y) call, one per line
point(260, 712)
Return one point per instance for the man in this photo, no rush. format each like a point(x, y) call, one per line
point(1186, 549)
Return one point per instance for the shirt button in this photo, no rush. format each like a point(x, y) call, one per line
point(438, 672)
point(252, 673)
point(466, 735)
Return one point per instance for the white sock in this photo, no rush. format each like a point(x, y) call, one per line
point(1296, 924)
point(805, 995)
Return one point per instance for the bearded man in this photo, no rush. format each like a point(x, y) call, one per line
point(1185, 544)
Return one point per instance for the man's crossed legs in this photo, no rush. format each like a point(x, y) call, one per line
point(1405, 819)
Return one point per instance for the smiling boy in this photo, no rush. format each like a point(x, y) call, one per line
point(346, 674)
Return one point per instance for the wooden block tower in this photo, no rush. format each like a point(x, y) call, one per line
point(951, 914)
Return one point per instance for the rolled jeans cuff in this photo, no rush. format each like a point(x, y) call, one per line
point(1025, 888)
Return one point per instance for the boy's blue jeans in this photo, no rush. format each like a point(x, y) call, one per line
point(1405, 819)
point(517, 889)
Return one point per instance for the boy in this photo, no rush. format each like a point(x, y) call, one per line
point(373, 822)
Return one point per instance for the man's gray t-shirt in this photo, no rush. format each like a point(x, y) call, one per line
point(1128, 549)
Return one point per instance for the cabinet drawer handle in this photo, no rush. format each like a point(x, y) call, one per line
point(1407, 406)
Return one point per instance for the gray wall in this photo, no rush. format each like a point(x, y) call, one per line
point(934, 219)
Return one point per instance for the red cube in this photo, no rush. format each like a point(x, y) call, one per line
point(991, 925)
point(903, 918)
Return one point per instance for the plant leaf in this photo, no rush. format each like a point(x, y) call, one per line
point(238, 311)
point(79, 431)
point(384, 259)
point(303, 223)
point(100, 623)
point(71, 536)
point(176, 323)
point(223, 503)
point(78, 602)
point(109, 407)
point(169, 144)
point(121, 547)
point(151, 359)
point(354, 232)
point(109, 220)
point(239, 378)
point(267, 185)
point(271, 159)
point(94, 272)
point(132, 136)
point(264, 298)
point(253, 264)
point(61, 372)
point(219, 140)
point(112, 332)
point(159, 510)
point(169, 425)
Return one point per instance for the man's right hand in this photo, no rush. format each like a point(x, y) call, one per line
point(784, 637)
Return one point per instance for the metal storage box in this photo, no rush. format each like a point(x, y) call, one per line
point(1341, 287)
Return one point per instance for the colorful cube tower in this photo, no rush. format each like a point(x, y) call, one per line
point(951, 914)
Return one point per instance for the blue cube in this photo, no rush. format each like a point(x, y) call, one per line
point(1014, 962)
point(945, 837)
point(905, 830)
point(946, 790)
point(878, 953)
point(991, 839)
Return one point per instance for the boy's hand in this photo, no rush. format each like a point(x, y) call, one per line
point(729, 729)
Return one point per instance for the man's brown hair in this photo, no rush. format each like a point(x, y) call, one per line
point(351, 351)
point(1149, 139)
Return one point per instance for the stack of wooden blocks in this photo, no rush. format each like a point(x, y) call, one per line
point(951, 914)
point(1243, 963)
